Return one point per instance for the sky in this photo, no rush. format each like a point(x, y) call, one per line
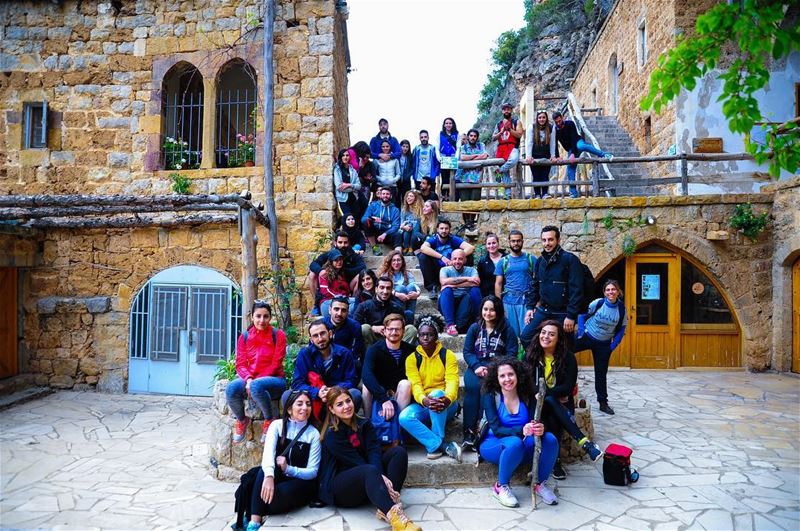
point(416, 62)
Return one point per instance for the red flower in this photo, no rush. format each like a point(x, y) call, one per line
point(354, 440)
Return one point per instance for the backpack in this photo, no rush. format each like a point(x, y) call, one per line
point(531, 263)
point(587, 283)
point(387, 431)
point(246, 334)
point(617, 466)
point(442, 355)
point(244, 497)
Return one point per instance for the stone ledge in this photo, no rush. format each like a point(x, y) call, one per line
point(205, 173)
point(51, 305)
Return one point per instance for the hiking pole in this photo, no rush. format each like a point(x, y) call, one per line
point(537, 449)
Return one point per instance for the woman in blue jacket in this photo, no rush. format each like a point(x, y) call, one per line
point(448, 145)
point(489, 337)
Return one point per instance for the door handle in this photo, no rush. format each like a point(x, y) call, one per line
point(192, 337)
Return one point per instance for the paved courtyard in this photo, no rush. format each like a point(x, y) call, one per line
point(716, 450)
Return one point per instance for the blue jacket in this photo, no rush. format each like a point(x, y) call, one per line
point(375, 146)
point(349, 336)
point(435, 165)
point(448, 145)
point(390, 217)
point(508, 345)
point(342, 371)
point(557, 283)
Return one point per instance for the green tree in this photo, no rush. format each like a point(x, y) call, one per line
point(504, 54)
point(760, 31)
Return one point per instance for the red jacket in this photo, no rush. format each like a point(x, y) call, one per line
point(259, 356)
point(330, 289)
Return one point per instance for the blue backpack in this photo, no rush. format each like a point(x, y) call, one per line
point(387, 431)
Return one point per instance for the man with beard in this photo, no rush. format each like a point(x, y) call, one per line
point(353, 264)
point(426, 161)
point(471, 150)
point(345, 330)
point(571, 140)
point(556, 290)
point(507, 132)
point(370, 314)
point(513, 275)
point(381, 221)
point(385, 369)
point(460, 299)
point(426, 191)
point(377, 140)
point(435, 254)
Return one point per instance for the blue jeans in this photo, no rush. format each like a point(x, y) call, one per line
point(414, 420)
point(411, 306)
point(460, 308)
point(601, 354)
point(510, 452)
point(472, 399)
point(325, 307)
point(505, 169)
point(582, 146)
point(516, 315)
point(262, 390)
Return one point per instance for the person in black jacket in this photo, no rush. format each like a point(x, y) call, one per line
point(354, 471)
point(371, 313)
point(550, 359)
point(571, 140)
point(384, 374)
point(406, 161)
point(486, 265)
point(556, 289)
point(491, 336)
point(353, 263)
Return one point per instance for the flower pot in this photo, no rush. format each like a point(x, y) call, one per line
point(249, 164)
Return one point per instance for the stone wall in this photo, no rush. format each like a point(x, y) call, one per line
point(741, 268)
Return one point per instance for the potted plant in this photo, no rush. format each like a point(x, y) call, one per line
point(245, 152)
point(177, 155)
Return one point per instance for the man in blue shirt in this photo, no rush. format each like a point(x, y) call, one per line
point(377, 140)
point(381, 221)
point(426, 161)
point(461, 293)
point(435, 254)
point(513, 274)
point(346, 331)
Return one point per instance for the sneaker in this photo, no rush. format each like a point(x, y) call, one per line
point(608, 156)
point(264, 429)
point(469, 441)
point(253, 526)
point(546, 196)
point(376, 250)
point(453, 450)
point(594, 451)
point(558, 470)
point(504, 495)
point(399, 521)
point(240, 430)
point(408, 252)
point(451, 330)
point(434, 292)
point(547, 495)
point(436, 454)
point(605, 408)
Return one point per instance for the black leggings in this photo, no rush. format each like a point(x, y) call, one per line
point(363, 483)
point(556, 417)
point(290, 493)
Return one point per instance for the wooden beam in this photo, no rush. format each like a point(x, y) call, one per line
point(249, 264)
point(137, 221)
point(74, 200)
point(59, 212)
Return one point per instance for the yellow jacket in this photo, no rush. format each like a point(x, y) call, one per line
point(431, 375)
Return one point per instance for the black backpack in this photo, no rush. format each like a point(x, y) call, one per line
point(587, 282)
point(442, 355)
point(244, 496)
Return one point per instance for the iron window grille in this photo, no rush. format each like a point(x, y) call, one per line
point(182, 142)
point(35, 125)
point(236, 128)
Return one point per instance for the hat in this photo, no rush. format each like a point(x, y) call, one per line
point(334, 254)
point(506, 104)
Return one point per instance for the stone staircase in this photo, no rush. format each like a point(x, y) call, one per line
point(230, 461)
point(614, 139)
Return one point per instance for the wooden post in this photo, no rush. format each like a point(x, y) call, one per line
point(519, 172)
point(249, 264)
point(595, 179)
point(684, 175)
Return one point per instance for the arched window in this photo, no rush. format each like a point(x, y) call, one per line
point(236, 115)
point(613, 84)
point(182, 113)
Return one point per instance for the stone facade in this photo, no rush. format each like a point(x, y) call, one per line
point(740, 267)
point(100, 68)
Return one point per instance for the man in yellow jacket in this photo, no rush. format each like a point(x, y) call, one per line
point(433, 373)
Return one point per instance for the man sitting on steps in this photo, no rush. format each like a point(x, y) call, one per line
point(346, 331)
point(353, 264)
point(461, 294)
point(435, 254)
point(371, 313)
point(384, 374)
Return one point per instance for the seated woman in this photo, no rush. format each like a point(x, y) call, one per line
point(433, 373)
point(354, 470)
point(550, 359)
point(365, 287)
point(509, 402)
point(601, 330)
point(405, 287)
point(259, 367)
point(357, 240)
point(410, 237)
point(333, 283)
point(489, 337)
point(287, 479)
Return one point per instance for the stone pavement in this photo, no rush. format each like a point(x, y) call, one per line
point(716, 450)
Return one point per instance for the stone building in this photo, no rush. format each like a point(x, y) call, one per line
point(116, 98)
point(614, 75)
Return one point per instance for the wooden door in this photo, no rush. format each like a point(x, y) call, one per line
point(8, 322)
point(796, 316)
point(653, 286)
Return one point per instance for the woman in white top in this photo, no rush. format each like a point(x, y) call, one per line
point(292, 451)
point(389, 172)
point(540, 143)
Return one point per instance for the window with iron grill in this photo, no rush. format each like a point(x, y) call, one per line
point(182, 113)
point(237, 105)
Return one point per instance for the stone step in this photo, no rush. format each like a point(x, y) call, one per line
point(375, 262)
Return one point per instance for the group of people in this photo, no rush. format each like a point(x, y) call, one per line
point(523, 317)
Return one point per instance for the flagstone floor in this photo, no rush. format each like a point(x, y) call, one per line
point(716, 450)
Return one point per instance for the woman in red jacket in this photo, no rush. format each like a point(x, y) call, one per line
point(259, 364)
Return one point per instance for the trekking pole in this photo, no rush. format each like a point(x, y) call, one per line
point(537, 449)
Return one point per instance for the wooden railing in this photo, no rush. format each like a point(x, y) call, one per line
point(595, 186)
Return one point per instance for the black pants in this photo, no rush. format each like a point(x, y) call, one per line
point(363, 483)
point(447, 193)
point(290, 494)
point(541, 174)
point(601, 354)
point(430, 270)
point(558, 417)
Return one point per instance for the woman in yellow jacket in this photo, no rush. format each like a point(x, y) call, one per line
point(433, 373)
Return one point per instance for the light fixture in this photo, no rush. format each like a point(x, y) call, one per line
point(651, 220)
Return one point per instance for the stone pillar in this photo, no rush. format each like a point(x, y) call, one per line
point(209, 117)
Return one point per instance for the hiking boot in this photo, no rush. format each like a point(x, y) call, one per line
point(264, 429)
point(376, 250)
point(558, 470)
point(451, 330)
point(504, 495)
point(605, 408)
point(469, 441)
point(399, 521)
point(594, 451)
point(240, 429)
point(453, 450)
point(547, 495)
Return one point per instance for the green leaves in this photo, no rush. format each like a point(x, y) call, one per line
point(745, 220)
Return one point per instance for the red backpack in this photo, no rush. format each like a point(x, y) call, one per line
point(617, 466)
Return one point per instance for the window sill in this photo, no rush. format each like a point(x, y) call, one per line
point(206, 173)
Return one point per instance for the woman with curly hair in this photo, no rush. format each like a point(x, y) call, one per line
point(354, 470)
point(509, 403)
point(552, 360)
point(405, 287)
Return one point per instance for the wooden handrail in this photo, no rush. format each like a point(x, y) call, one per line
point(691, 157)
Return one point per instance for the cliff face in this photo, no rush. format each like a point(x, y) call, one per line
point(548, 60)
